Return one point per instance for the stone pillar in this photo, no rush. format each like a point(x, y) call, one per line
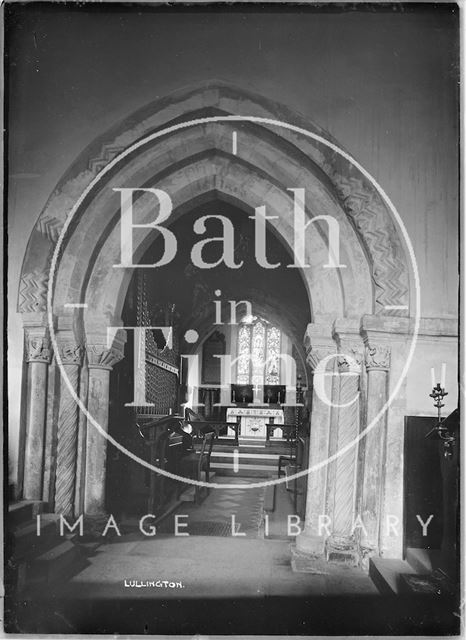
point(70, 353)
point(377, 361)
point(387, 341)
point(81, 444)
point(319, 345)
point(38, 356)
point(341, 545)
point(101, 359)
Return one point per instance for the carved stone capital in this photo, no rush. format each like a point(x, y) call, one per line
point(319, 343)
point(350, 357)
point(37, 345)
point(377, 356)
point(103, 353)
point(70, 350)
point(350, 345)
point(316, 354)
point(70, 353)
point(99, 356)
point(105, 347)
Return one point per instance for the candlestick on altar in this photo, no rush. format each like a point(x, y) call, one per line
point(438, 394)
point(444, 375)
point(432, 377)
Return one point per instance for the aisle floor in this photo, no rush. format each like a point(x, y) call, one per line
point(217, 565)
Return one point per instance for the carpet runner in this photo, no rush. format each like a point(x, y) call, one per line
point(214, 516)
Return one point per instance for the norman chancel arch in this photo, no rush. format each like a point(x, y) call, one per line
point(352, 312)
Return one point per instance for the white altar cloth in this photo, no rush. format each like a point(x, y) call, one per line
point(254, 419)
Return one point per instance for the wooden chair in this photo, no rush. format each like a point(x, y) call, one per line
point(198, 462)
point(292, 457)
point(157, 430)
point(294, 465)
point(200, 426)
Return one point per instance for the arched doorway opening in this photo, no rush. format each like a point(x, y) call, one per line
point(360, 309)
point(192, 299)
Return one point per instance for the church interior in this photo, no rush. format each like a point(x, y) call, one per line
point(243, 441)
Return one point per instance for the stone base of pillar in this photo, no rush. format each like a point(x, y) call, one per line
point(342, 550)
point(311, 545)
point(366, 554)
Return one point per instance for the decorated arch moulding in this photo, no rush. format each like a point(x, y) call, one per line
point(324, 286)
point(360, 201)
point(225, 177)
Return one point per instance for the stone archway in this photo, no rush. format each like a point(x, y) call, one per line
point(189, 165)
point(346, 186)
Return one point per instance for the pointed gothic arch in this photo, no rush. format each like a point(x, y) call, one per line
point(193, 164)
point(269, 161)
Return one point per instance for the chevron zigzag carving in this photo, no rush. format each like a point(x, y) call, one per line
point(51, 227)
point(360, 200)
point(33, 292)
point(371, 220)
point(107, 154)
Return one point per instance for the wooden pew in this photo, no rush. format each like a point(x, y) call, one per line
point(201, 426)
point(161, 433)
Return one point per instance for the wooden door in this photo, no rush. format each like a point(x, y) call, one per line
point(422, 485)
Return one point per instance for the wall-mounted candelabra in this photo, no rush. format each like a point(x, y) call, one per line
point(438, 394)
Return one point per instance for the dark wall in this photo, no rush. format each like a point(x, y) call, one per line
point(382, 82)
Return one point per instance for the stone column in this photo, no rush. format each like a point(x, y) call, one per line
point(341, 545)
point(319, 345)
point(70, 353)
point(38, 356)
point(377, 361)
point(392, 335)
point(101, 359)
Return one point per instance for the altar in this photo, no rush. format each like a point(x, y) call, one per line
point(254, 420)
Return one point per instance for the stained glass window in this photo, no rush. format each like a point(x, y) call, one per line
point(257, 353)
point(272, 374)
point(244, 352)
point(259, 346)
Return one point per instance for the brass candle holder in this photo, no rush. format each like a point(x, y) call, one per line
point(442, 431)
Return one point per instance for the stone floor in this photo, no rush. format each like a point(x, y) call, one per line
point(245, 565)
point(207, 567)
point(199, 584)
